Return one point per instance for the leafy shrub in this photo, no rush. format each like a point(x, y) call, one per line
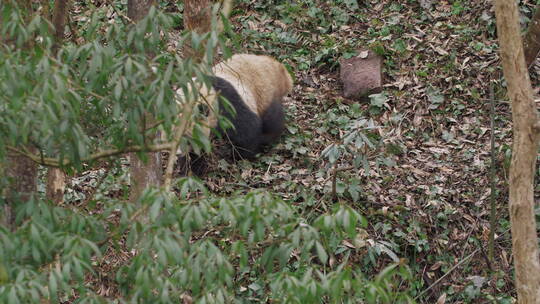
point(212, 249)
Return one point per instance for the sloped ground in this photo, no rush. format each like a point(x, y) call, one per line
point(432, 208)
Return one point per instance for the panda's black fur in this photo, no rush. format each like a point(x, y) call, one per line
point(254, 86)
point(250, 132)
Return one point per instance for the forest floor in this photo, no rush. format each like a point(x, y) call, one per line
point(432, 206)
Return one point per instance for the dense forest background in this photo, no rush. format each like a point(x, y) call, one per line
point(379, 199)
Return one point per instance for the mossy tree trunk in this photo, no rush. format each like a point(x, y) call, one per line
point(524, 152)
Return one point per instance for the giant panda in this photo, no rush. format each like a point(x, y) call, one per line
point(254, 85)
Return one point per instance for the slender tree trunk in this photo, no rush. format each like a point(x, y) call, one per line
point(19, 170)
point(22, 178)
point(138, 9)
point(59, 18)
point(524, 150)
point(531, 42)
point(56, 178)
point(56, 185)
point(197, 18)
point(24, 175)
point(143, 174)
point(197, 15)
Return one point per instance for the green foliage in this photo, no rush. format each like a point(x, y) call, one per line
point(458, 8)
point(355, 143)
point(206, 248)
point(96, 95)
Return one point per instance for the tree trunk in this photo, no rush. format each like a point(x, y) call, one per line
point(142, 174)
point(531, 42)
point(138, 9)
point(20, 171)
point(59, 21)
point(197, 15)
point(524, 149)
point(56, 178)
point(197, 18)
point(22, 177)
point(56, 184)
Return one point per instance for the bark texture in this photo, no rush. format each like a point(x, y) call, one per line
point(56, 184)
point(531, 42)
point(197, 18)
point(20, 171)
point(524, 149)
point(56, 178)
point(138, 9)
point(142, 174)
point(197, 15)
point(59, 20)
point(22, 177)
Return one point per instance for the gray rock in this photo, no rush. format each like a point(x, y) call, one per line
point(361, 75)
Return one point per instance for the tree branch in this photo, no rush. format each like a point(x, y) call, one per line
point(181, 131)
point(55, 162)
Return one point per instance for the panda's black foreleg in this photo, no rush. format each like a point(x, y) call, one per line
point(197, 164)
point(246, 136)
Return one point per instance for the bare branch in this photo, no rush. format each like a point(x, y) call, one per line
point(55, 162)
